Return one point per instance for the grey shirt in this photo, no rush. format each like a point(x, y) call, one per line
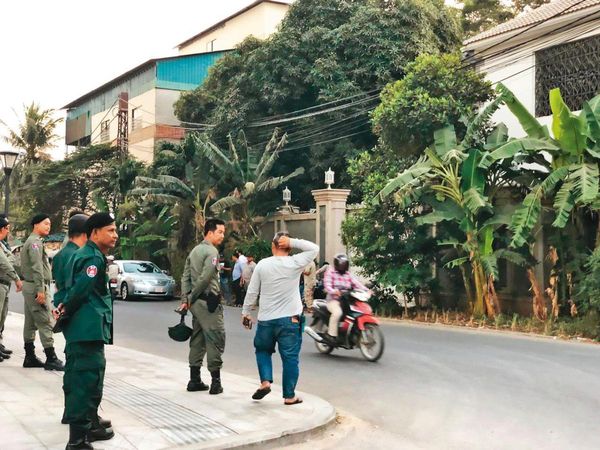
point(276, 280)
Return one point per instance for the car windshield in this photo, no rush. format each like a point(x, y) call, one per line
point(140, 267)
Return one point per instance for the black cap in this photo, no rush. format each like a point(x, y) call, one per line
point(3, 221)
point(77, 224)
point(98, 220)
point(39, 218)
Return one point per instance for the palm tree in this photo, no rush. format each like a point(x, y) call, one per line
point(249, 174)
point(35, 135)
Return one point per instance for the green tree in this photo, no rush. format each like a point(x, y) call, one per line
point(435, 91)
point(448, 180)
point(324, 50)
point(480, 15)
point(35, 135)
point(386, 243)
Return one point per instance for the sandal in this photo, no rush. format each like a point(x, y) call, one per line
point(261, 393)
point(295, 402)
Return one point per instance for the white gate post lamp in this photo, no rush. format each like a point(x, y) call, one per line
point(287, 196)
point(8, 160)
point(329, 178)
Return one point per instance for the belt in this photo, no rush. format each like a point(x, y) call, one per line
point(31, 281)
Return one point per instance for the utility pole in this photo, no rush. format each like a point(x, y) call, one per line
point(123, 126)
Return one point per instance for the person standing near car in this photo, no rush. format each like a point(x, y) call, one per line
point(239, 261)
point(87, 309)
point(8, 274)
point(280, 318)
point(201, 294)
point(36, 294)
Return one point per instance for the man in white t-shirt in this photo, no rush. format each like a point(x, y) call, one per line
point(276, 279)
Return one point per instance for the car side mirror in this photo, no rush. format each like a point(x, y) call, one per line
point(166, 272)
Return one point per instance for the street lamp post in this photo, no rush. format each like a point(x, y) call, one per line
point(8, 160)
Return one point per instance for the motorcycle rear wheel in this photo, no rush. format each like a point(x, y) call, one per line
point(371, 342)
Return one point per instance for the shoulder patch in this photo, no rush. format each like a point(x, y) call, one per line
point(215, 261)
point(91, 271)
point(35, 246)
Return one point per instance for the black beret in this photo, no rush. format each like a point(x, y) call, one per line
point(3, 221)
point(77, 224)
point(98, 220)
point(39, 218)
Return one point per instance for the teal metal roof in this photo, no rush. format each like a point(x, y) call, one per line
point(184, 73)
point(178, 73)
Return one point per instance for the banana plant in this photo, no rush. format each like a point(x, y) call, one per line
point(450, 180)
point(568, 160)
point(249, 173)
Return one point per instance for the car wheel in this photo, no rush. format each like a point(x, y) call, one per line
point(124, 292)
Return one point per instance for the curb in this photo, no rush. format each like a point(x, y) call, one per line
point(416, 323)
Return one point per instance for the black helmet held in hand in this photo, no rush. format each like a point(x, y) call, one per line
point(180, 332)
point(341, 263)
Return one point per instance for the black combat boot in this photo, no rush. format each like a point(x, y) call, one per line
point(4, 355)
point(31, 360)
point(52, 361)
point(1, 358)
point(215, 385)
point(78, 439)
point(195, 383)
point(98, 421)
point(3, 349)
point(98, 433)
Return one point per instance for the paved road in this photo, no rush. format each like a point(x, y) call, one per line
point(433, 388)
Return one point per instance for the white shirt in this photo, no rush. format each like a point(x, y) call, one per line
point(276, 279)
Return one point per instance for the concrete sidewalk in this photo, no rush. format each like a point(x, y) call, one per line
point(146, 400)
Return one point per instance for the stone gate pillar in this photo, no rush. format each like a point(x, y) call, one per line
point(331, 211)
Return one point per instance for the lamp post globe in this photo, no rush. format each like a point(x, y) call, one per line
point(8, 161)
point(329, 178)
point(287, 196)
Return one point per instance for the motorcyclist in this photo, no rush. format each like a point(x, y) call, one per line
point(336, 280)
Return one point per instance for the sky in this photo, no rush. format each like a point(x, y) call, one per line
point(54, 51)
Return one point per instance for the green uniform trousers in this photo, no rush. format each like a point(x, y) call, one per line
point(208, 336)
point(3, 307)
point(37, 317)
point(83, 382)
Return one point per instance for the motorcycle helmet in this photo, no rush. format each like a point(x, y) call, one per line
point(180, 332)
point(341, 263)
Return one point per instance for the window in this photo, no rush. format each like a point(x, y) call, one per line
point(210, 46)
point(573, 67)
point(104, 131)
point(136, 119)
point(140, 267)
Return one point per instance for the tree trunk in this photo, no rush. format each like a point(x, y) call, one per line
point(479, 283)
point(492, 302)
point(539, 305)
point(468, 288)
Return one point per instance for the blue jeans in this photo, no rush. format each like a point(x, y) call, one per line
point(288, 337)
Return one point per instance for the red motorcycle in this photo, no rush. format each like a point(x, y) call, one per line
point(357, 328)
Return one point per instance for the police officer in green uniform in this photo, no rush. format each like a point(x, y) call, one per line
point(8, 274)
point(61, 270)
point(202, 296)
point(35, 268)
point(87, 307)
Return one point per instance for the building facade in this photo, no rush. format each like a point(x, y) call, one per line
point(554, 46)
point(154, 86)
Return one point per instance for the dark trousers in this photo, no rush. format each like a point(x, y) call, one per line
point(83, 382)
point(238, 292)
point(287, 334)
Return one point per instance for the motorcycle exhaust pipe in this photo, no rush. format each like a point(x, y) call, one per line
point(313, 334)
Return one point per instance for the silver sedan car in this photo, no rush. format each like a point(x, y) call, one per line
point(135, 279)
